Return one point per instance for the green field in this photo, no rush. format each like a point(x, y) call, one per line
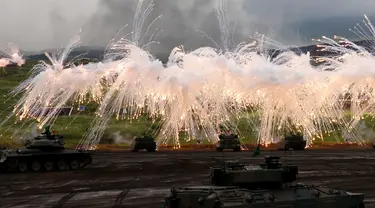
point(73, 127)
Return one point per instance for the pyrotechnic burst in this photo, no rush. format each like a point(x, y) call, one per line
point(353, 71)
point(51, 85)
point(12, 55)
point(206, 88)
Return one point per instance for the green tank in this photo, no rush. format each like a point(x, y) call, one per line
point(228, 141)
point(43, 153)
point(270, 184)
point(272, 173)
point(294, 142)
point(143, 143)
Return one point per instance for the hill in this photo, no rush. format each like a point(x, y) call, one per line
point(97, 53)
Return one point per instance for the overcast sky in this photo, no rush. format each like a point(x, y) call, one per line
point(43, 24)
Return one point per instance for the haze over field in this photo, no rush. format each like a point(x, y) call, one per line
point(43, 24)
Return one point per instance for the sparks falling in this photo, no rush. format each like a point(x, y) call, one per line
point(203, 89)
point(10, 55)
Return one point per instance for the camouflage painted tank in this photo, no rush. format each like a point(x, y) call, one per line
point(228, 141)
point(143, 143)
point(44, 153)
point(295, 142)
point(257, 186)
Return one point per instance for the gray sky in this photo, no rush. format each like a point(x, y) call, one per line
point(43, 24)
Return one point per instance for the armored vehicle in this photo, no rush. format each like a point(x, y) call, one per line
point(272, 173)
point(143, 143)
point(44, 153)
point(228, 141)
point(295, 142)
point(266, 185)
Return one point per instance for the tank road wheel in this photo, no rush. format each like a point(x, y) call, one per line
point(35, 166)
point(22, 166)
point(48, 165)
point(86, 161)
point(74, 164)
point(61, 165)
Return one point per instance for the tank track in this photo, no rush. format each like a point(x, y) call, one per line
point(46, 162)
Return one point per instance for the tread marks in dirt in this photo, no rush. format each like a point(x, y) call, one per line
point(120, 198)
point(65, 199)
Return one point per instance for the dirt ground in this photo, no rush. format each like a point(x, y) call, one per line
point(126, 179)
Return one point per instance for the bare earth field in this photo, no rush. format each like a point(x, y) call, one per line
point(126, 179)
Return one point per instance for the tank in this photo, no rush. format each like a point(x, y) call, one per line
point(143, 143)
point(270, 184)
point(43, 153)
point(272, 173)
point(294, 142)
point(228, 141)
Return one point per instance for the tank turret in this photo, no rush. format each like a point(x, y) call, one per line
point(46, 142)
point(143, 143)
point(237, 185)
point(228, 141)
point(292, 141)
point(271, 174)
